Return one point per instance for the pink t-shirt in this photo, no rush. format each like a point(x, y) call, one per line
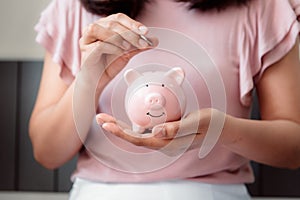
point(242, 42)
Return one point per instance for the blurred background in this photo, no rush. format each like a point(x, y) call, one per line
point(21, 61)
point(20, 69)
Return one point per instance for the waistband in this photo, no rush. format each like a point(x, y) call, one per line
point(171, 190)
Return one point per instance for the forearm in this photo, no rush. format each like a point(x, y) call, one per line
point(55, 134)
point(275, 143)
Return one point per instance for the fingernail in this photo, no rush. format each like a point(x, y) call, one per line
point(143, 43)
point(99, 121)
point(125, 45)
point(143, 29)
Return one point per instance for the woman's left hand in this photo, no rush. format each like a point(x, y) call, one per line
point(170, 137)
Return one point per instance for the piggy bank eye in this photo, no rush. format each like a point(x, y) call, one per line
point(147, 85)
point(162, 85)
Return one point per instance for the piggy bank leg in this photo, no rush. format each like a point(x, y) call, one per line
point(137, 128)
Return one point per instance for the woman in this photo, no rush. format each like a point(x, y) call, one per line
point(252, 44)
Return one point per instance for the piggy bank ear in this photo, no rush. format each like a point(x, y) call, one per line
point(176, 74)
point(131, 75)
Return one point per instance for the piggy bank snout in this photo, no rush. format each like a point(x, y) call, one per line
point(155, 100)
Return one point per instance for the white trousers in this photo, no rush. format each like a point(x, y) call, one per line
point(173, 190)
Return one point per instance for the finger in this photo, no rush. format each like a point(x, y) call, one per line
point(129, 35)
point(133, 52)
point(133, 137)
point(186, 126)
point(119, 61)
point(126, 134)
point(96, 32)
point(126, 23)
point(102, 118)
point(105, 118)
point(129, 23)
point(167, 130)
point(115, 34)
point(97, 50)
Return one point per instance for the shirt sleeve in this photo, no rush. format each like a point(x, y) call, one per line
point(273, 32)
point(58, 31)
point(296, 6)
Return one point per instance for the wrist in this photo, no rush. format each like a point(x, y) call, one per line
point(229, 136)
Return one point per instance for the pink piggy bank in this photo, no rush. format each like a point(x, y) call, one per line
point(154, 97)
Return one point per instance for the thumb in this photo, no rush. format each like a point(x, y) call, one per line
point(151, 43)
point(186, 126)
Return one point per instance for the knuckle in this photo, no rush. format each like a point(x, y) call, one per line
point(118, 16)
point(110, 24)
point(172, 129)
point(81, 43)
point(91, 29)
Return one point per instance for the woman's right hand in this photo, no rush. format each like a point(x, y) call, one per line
point(108, 44)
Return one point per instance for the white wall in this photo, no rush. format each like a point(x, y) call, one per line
point(17, 36)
